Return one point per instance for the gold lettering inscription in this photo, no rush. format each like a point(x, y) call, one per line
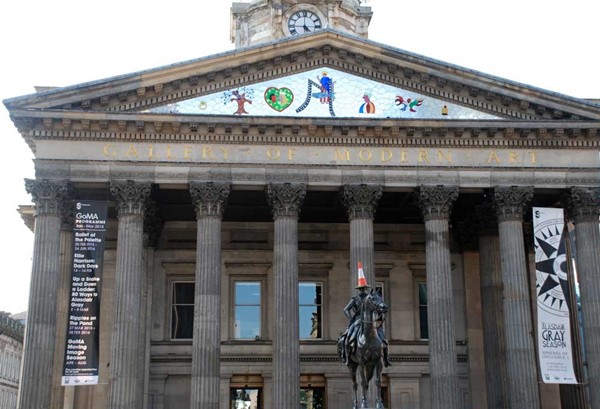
point(403, 156)
point(225, 152)
point(150, 152)
point(533, 157)
point(444, 156)
point(132, 151)
point(207, 152)
point(169, 155)
point(365, 155)
point(386, 155)
point(109, 150)
point(513, 157)
point(187, 152)
point(340, 156)
point(291, 153)
point(493, 156)
point(423, 156)
point(273, 153)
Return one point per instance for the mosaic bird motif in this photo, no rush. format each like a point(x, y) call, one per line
point(408, 103)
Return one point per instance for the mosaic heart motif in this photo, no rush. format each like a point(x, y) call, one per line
point(279, 98)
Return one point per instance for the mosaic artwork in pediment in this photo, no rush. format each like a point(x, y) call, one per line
point(323, 92)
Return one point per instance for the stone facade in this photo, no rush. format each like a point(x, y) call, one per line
point(11, 352)
point(221, 225)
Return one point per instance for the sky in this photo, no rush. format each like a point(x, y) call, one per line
point(548, 44)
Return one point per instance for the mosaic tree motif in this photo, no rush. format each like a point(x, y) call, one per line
point(240, 96)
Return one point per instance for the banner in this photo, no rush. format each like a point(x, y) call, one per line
point(555, 347)
point(80, 365)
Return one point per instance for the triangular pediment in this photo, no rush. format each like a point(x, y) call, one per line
point(357, 67)
point(322, 92)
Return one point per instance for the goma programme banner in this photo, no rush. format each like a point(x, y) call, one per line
point(555, 347)
point(80, 365)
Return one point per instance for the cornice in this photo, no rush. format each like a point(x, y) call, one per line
point(70, 125)
point(140, 91)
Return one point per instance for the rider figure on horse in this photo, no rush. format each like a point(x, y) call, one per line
point(353, 311)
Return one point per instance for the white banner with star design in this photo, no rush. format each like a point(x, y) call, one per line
point(555, 349)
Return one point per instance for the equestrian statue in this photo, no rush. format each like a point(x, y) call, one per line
point(363, 346)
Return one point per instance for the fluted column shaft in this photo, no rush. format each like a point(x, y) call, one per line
point(40, 331)
point(126, 364)
point(286, 201)
point(63, 297)
point(209, 202)
point(585, 210)
point(361, 204)
point(521, 364)
point(436, 204)
point(493, 322)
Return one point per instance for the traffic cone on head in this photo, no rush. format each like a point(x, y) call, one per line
point(362, 280)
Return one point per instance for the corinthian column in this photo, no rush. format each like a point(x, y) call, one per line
point(361, 204)
point(286, 200)
point(436, 204)
point(40, 331)
point(584, 208)
point(521, 366)
point(126, 364)
point(491, 307)
point(209, 202)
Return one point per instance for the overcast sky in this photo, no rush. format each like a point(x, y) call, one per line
point(545, 43)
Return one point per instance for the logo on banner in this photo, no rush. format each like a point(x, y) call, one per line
point(551, 266)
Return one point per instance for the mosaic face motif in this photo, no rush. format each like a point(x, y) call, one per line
point(323, 92)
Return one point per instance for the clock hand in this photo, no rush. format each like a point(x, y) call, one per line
point(306, 29)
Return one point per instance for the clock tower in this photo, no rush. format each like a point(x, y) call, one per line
point(260, 21)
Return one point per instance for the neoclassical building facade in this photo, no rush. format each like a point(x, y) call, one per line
point(11, 351)
point(243, 189)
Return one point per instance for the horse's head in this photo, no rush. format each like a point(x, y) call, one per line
point(374, 305)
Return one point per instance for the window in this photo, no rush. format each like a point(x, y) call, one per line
point(311, 310)
point(247, 296)
point(246, 398)
point(423, 327)
point(312, 398)
point(182, 310)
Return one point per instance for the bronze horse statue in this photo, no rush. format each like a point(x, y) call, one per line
point(367, 349)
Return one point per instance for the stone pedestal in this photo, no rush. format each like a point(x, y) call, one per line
point(436, 204)
point(286, 201)
point(209, 202)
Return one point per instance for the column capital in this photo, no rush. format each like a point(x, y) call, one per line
point(132, 197)
point(49, 196)
point(285, 199)
point(436, 201)
point(510, 201)
point(584, 204)
point(361, 200)
point(209, 198)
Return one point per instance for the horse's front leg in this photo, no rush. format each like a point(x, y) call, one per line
point(378, 370)
point(364, 382)
point(352, 368)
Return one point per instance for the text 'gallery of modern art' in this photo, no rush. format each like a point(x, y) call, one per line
point(198, 226)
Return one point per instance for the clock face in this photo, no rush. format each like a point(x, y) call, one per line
point(304, 21)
